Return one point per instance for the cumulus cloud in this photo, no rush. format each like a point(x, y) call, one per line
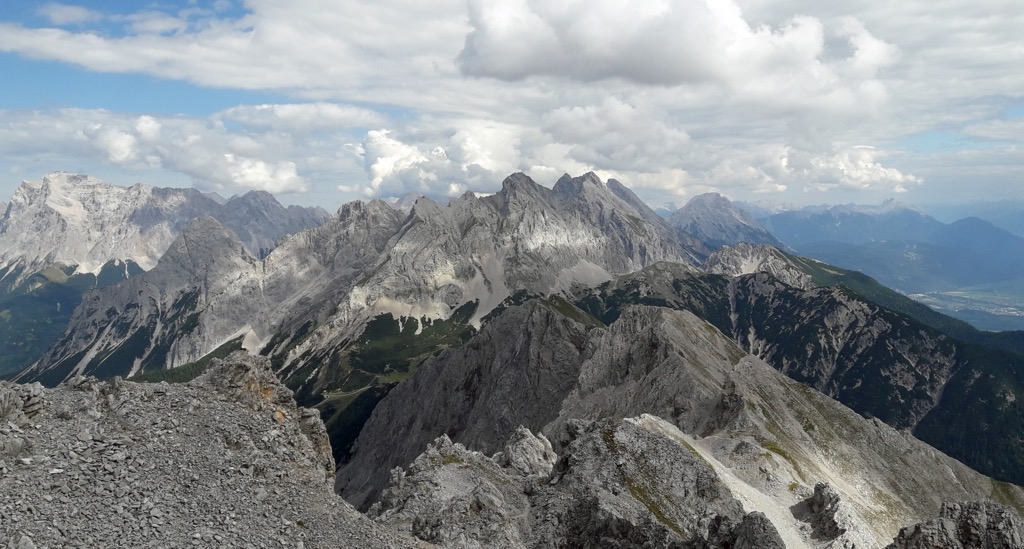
point(476, 155)
point(671, 96)
point(268, 48)
point(856, 168)
point(211, 155)
point(617, 135)
point(118, 145)
point(667, 43)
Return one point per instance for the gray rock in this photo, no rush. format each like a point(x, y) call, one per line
point(619, 484)
point(225, 460)
point(516, 372)
point(741, 259)
point(971, 525)
point(768, 437)
point(531, 455)
point(715, 221)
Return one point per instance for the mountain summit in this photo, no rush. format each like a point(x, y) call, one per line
point(716, 221)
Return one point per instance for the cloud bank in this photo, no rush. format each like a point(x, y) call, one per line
point(798, 100)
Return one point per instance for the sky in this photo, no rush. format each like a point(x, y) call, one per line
point(326, 101)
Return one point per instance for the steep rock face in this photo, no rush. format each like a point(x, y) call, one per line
point(525, 237)
point(620, 483)
point(260, 221)
point(770, 439)
point(714, 220)
point(311, 272)
point(208, 290)
point(746, 258)
point(973, 525)
point(67, 234)
point(79, 221)
point(515, 372)
point(447, 268)
point(146, 465)
point(310, 299)
point(203, 290)
point(878, 362)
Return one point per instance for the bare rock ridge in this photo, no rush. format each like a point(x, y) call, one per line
point(203, 290)
point(744, 258)
point(320, 288)
point(713, 219)
point(81, 222)
point(516, 372)
point(618, 483)
point(878, 362)
point(65, 235)
point(118, 464)
point(818, 472)
point(965, 525)
point(227, 460)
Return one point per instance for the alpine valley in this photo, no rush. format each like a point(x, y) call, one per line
point(540, 367)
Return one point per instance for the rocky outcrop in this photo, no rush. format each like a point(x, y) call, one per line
point(741, 259)
point(769, 439)
point(528, 454)
point(973, 525)
point(454, 497)
point(227, 460)
point(826, 515)
point(516, 372)
point(617, 484)
point(871, 358)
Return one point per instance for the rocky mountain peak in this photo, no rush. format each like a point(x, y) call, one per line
point(357, 209)
point(205, 246)
point(568, 185)
point(709, 205)
point(715, 220)
point(256, 199)
point(520, 183)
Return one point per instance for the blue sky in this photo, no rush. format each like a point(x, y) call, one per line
point(326, 101)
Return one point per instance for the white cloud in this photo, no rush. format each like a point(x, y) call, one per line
point(66, 14)
point(1002, 130)
point(257, 174)
point(119, 146)
point(617, 135)
point(669, 96)
point(855, 168)
point(213, 157)
point(303, 117)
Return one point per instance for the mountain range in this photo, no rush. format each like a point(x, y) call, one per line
point(66, 234)
point(423, 335)
point(969, 268)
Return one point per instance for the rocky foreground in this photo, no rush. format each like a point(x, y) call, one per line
point(228, 460)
